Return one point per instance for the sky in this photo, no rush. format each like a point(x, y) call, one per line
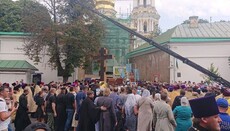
point(174, 12)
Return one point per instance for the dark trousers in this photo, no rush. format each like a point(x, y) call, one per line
point(120, 122)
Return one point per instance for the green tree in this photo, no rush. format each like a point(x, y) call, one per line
point(70, 35)
point(214, 70)
point(10, 16)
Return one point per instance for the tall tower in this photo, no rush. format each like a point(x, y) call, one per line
point(106, 7)
point(144, 17)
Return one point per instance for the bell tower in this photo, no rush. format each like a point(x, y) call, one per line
point(144, 17)
point(106, 7)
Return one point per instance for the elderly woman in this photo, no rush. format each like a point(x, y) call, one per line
point(145, 112)
point(157, 97)
point(130, 119)
point(183, 115)
point(108, 118)
point(163, 119)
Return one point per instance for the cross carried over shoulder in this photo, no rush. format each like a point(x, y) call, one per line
point(102, 57)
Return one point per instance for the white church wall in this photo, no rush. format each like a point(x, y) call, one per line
point(203, 54)
point(11, 49)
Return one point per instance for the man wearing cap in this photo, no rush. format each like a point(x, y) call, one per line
point(223, 107)
point(226, 95)
point(205, 113)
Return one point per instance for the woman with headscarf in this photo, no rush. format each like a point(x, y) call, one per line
point(163, 119)
point(157, 97)
point(130, 117)
point(183, 115)
point(108, 119)
point(145, 112)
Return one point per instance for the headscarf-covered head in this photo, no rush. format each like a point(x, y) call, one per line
point(184, 101)
point(145, 93)
point(129, 104)
point(157, 96)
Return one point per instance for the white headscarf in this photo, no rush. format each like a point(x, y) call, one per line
point(184, 101)
point(157, 97)
point(129, 104)
point(146, 93)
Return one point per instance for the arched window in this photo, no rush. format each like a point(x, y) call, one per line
point(145, 27)
point(145, 3)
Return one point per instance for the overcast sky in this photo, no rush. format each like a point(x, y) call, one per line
point(174, 12)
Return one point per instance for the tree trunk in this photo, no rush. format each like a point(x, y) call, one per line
point(65, 78)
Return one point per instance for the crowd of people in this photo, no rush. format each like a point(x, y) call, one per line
point(94, 106)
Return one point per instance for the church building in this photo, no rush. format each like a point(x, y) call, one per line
point(16, 66)
point(202, 43)
point(144, 19)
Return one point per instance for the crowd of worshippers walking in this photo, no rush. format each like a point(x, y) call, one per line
point(90, 106)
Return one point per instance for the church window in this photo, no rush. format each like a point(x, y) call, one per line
point(145, 26)
point(145, 3)
point(178, 74)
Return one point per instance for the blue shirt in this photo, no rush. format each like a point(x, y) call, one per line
point(116, 101)
point(225, 124)
point(79, 99)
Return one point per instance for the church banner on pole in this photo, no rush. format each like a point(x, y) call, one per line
point(119, 71)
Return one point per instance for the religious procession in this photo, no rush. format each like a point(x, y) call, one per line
point(94, 106)
point(114, 65)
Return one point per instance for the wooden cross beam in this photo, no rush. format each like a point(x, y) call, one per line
point(102, 57)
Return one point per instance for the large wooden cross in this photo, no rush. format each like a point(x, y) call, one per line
point(102, 57)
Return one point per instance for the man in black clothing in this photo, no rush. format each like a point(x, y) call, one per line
point(70, 108)
point(61, 110)
point(51, 108)
point(89, 113)
point(177, 99)
point(205, 113)
point(22, 119)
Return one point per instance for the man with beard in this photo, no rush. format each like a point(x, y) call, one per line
point(22, 119)
point(89, 113)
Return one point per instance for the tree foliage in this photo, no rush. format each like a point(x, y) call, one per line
point(69, 34)
point(214, 70)
point(10, 16)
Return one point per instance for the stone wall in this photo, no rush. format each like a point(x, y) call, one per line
point(152, 66)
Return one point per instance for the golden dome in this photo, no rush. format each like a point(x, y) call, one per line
point(105, 4)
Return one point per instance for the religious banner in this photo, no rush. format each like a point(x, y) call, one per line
point(119, 71)
point(136, 74)
point(128, 68)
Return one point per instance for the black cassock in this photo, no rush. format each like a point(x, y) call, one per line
point(22, 119)
point(89, 115)
point(61, 112)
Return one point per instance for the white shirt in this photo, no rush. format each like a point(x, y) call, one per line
point(4, 108)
